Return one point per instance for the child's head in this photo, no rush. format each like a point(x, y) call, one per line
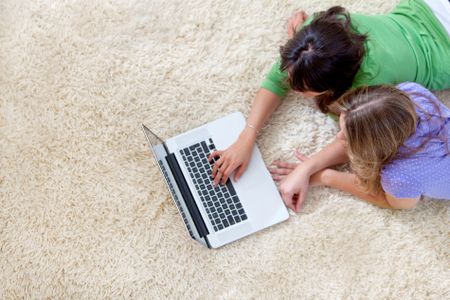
point(375, 122)
point(323, 58)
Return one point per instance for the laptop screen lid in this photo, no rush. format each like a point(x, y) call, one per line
point(160, 153)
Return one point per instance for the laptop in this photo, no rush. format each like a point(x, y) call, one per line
point(216, 215)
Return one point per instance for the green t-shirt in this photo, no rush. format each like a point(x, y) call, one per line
point(408, 44)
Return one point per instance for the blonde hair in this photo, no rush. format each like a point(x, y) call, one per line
point(378, 120)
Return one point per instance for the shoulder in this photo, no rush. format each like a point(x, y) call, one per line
point(426, 102)
point(414, 88)
point(398, 180)
point(430, 110)
point(416, 92)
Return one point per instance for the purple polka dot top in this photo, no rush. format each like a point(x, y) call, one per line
point(427, 172)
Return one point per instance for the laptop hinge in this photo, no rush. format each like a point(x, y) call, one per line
point(187, 195)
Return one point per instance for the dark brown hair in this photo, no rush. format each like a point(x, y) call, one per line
point(324, 56)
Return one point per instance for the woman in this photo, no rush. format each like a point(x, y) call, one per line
point(397, 141)
point(336, 51)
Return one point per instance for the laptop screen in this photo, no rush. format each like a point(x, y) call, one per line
point(152, 138)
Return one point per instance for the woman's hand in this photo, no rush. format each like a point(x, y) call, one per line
point(236, 157)
point(297, 19)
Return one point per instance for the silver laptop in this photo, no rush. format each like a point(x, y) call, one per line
point(215, 216)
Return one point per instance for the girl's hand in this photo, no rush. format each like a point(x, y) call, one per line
point(294, 188)
point(236, 157)
point(283, 168)
point(294, 181)
point(297, 19)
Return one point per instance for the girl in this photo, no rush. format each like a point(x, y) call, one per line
point(397, 141)
point(336, 51)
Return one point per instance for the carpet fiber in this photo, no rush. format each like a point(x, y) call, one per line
point(84, 212)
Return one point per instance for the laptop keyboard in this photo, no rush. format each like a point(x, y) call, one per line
point(221, 202)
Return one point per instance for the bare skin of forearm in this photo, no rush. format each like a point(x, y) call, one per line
point(333, 154)
point(348, 183)
point(263, 106)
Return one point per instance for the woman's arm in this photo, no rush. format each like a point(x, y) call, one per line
point(237, 156)
point(347, 182)
point(263, 106)
point(297, 19)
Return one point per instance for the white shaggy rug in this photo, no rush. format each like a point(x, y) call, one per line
point(84, 213)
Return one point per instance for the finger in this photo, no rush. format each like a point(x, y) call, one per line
point(290, 30)
point(277, 178)
point(273, 163)
point(300, 155)
point(217, 177)
point(280, 171)
point(284, 164)
point(301, 199)
point(287, 198)
point(299, 16)
point(215, 154)
point(217, 166)
point(240, 171)
point(225, 174)
point(291, 206)
point(291, 26)
point(305, 15)
point(300, 152)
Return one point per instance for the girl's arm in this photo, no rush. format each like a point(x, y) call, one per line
point(294, 187)
point(347, 182)
point(333, 154)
